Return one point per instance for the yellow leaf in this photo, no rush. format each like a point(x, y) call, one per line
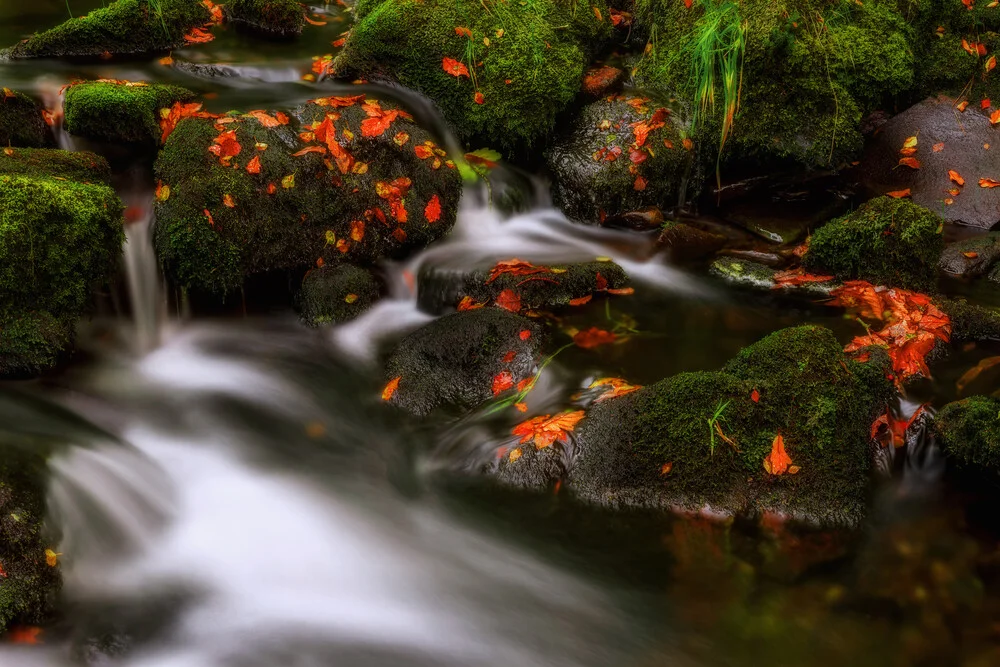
point(911, 142)
point(515, 454)
point(288, 182)
point(351, 298)
point(331, 238)
point(51, 558)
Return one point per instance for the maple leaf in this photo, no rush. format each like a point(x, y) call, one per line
point(378, 120)
point(454, 67)
point(546, 429)
point(593, 337)
point(263, 118)
point(778, 461)
point(955, 177)
point(391, 387)
point(198, 36)
point(510, 300)
point(432, 212)
point(618, 387)
point(225, 146)
point(338, 102)
point(797, 277)
point(169, 117)
point(502, 382)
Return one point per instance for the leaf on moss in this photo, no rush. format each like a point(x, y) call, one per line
point(510, 300)
point(454, 67)
point(778, 461)
point(432, 212)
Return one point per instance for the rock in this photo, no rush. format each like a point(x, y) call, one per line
point(370, 184)
point(621, 154)
point(746, 273)
point(336, 293)
point(454, 361)
point(532, 469)
point(891, 242)
point(964, 136)
point(529, 71)
point(125, 27)
point(282, 19)
point(21, 122)
point(29, 584)
point(601, 81)
point(71, 165)
point(686, 243)
point(968, 432)
point(59, 240)
point(971, 258)
point(801, 92)
point(655, 447)
point(970, 321)
point(536, 287)
point(120, 112)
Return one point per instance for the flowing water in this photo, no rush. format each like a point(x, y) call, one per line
point(228, 490)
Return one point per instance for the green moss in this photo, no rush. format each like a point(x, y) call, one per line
point(56, 164)
point(969, 431)
point(280, 18)
point(542, 52)
point(743, 272)
point(125, 27)
point(31, 342)
point(119, 113)
point(887, 241)
point(336, 293)
point(970, 321)
point(21, 122)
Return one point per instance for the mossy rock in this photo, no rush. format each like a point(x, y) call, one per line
point(451, 363)
point(530, 70)
point(601, 170)
point(440, 289)
point(21, 122)
point(809, 71)
point(120, 112)
point(275, 18)
point(973, 257)
point(125, 27)
point(745, 273)
point(384, 196)
point(29, 586)
point(336, 293)
point(971, 321)
point(887, 241)
point(654, 447)
point(58, 164)
point(59, 240)
point(969, 432)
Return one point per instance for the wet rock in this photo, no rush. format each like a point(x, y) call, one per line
point(970, 321)
point(125, 27)
point(339, 179)
point(530, 468)
point(744, 272)
point(29, 584)
point(971, 258)
point(71, 165)
point(59, 241)
point(453, 361)
point(274, 18)
point(21, 122)
point(964, 137)
point(892, 242)
point(782, 210)
point(600, 81)
point(640, 221)
point(656, 448)
point(518, 67)
point(115, 112)
point(336, 293)
point(621, 154)
point(969, 432)
point(440, 289)
point(686, 243)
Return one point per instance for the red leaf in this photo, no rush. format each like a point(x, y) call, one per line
point(581, 301)
point(755, 396)
point(509, 357)
point(478, 98)
point(198, 36)
point(463, 32)
point(593, 337)
point(524, 334)
point(253, 167)
point(432, 212)
point(899, 194)
point(502, 382)
point(778, 461)
point(911, 162)
point(545, 429)
point(454, 67)
point(640, 183)
point(468, 303)
point(508, 299)
point(310, 149)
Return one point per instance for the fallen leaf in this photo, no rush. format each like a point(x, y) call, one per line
point(777, 462)
point(640, 184)
point(666, 468)
point(264, 119)
point(228, 201)
point(391, 387)
point(162, 191)
point(288, 182)
point(524, 334)
point(312, 21)
point(515, 454)
point(955, 177)
point(995, 117)
point(545, 429)
point(593, 337)
point(310, 149)
point(24, 635)
point(198, 36)
point(618, 387)
point(755, 396)
point(463, 32)
point(479, 98)
point(454, 67)
point(583, 300)
point(973, 373)
point(899, 194)
point(253, 167)
point(468, 303)
point(51, 558)
point(938, 147)
point(509, 300)
point(799, 276)
point(432, 212)
point(962, 106)
point(988, 183)
point(502, 382)
point(911, 162)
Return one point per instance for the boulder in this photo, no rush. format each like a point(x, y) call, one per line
point(338, 179)
point(120, 111)
point(125, 27)
point(274, 18)
point(623, 153)
point(947, 141)
point(968, 432)
point(500, 73)
point(887, 241)
point(336, 293)
point(70, 165)
point(533, 287)
point(973, 257)
point(969, 321)
point(462, 360)
point(21, 122)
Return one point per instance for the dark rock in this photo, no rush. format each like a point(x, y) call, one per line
point(440, 289)
point(351, 198)
point(120, 112)
point(891, 242)
point(453, 361)
point(686, 243)
point(531, 468)
point(638, 221)
point(281, 19)
point(21, 122)
point(621, 154)
point(336, 293)
point(964, 135)
point(972, 257)
point(969, 432)
point(970, 321)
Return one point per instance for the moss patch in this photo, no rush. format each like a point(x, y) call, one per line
point(336, 293)
point(276, 18)
point(125, 27)
point(969, 431)
point(529, 71)
point(49, 163)
point(21, 122)
point(887, 241)
point(119, 112)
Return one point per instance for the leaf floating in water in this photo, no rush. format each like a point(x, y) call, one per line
point(594, 337)
point(973, 373)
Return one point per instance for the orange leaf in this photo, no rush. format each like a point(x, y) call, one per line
point(911, 162)
point(937, 148)
point(995, 117)
point(310, 149)
point(798, 277)
point(985, 103)
point(955, 177)
point(777, 462)
point(357, 231)
point(24, 635)
point(253, 167)
point(198, 36)
point(478, 98)
point(508, 299)
point(640, 183)
point(988, 183)
point(454, 67)
point(962, 106)
point(545, 429)
point(468, 303)
point(618, 387)
point(623, 291)
point(432, 212)
point(162, 191)
point(991, 63)
point(312, 21)
point(502, 382)
point(899, 194)
point(515, 267)
point(391, 388)
point(463, 32)
point(581, 301)
point(593, 337)
point(755, 396)
point(228, 201)
point(264, 119)
point(524, 334)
